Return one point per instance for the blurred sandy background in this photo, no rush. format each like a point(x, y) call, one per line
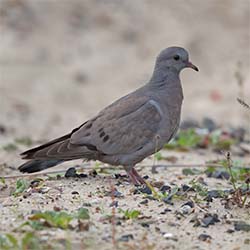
point(63, 60)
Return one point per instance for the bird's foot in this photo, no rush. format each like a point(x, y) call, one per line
point(135, 178)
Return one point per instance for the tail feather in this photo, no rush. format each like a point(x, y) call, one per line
point(38, 165)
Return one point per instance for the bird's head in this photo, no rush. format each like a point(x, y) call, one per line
point(174, 59)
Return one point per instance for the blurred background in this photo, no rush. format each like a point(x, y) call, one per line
point(61, 61)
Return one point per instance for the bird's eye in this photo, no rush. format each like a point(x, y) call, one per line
point(176, 57)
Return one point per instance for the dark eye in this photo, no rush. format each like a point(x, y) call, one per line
point(176, 57)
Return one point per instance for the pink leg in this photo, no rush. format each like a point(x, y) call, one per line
point(135, 178)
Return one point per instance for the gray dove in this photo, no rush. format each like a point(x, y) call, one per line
point(127, 131)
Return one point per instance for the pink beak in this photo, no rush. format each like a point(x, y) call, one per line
point(192, 66)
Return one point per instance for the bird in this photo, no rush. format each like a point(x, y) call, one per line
point(128, 130)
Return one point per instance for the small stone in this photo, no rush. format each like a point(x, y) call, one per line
point(34, 211)
point(186, 188)
point(145, 224)
point(189, 203)
point(93, 173)
point(44, 190)
point(241, 226)
point(71, 172)
point(209, 219)
point(114, 204)
point(209, 124)
point(2, 129)
point(214, 194)
point(144, 202)
point(168, 200)
point(116, 193)
point(118, 223)
point(186, 209)
point(126, 237)
point(165, 188)
point(144, 190)
point(168, 235)
point(82, 175)
point(166, 210)
point(230, 231)
point(221, 175)
point(86, 204)
point(204, 237)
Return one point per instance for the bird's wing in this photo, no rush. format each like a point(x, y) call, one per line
point(122, 128)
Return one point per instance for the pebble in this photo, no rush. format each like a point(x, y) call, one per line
point(214, 194)
point(186, 209)
point(145, 224)
point(93, 173)
point(204, 237)
point(186, 188)
point(168, 200)
point(166, 210)
point(2, 129)
point(209, 219)
point(241, 226)
point(189, 203)
point(114, 204)
point(165, 188)
point(168, 235)
point(126, 237)
point(219, 174)
point(71, 172)
point(44, 190)
point(83, 175)
point(144, 190)
point(118, 194)
point(144, 202)
point(209, 124)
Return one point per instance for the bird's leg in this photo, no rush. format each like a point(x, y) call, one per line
point(135, 178)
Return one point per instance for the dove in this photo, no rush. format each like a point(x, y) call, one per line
point(127, 131)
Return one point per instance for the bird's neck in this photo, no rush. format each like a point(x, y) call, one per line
point(165, 78)
point(166, 83)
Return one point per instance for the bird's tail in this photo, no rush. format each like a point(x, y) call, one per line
point(38, 165)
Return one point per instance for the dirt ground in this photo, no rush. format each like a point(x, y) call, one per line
point(159, 225)
point(61, 61)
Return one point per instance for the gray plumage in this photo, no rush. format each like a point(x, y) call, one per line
point(128, 130)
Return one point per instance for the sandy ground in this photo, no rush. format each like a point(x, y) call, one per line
point(61, 61)
point(92, 194)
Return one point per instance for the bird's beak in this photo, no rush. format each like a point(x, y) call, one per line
point(192, 66)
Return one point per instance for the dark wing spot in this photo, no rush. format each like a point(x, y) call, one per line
point(89, 126)
point(87, 134)
point(91, 147)
point(105, 138)
point(100, 130)
point(102, 134)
